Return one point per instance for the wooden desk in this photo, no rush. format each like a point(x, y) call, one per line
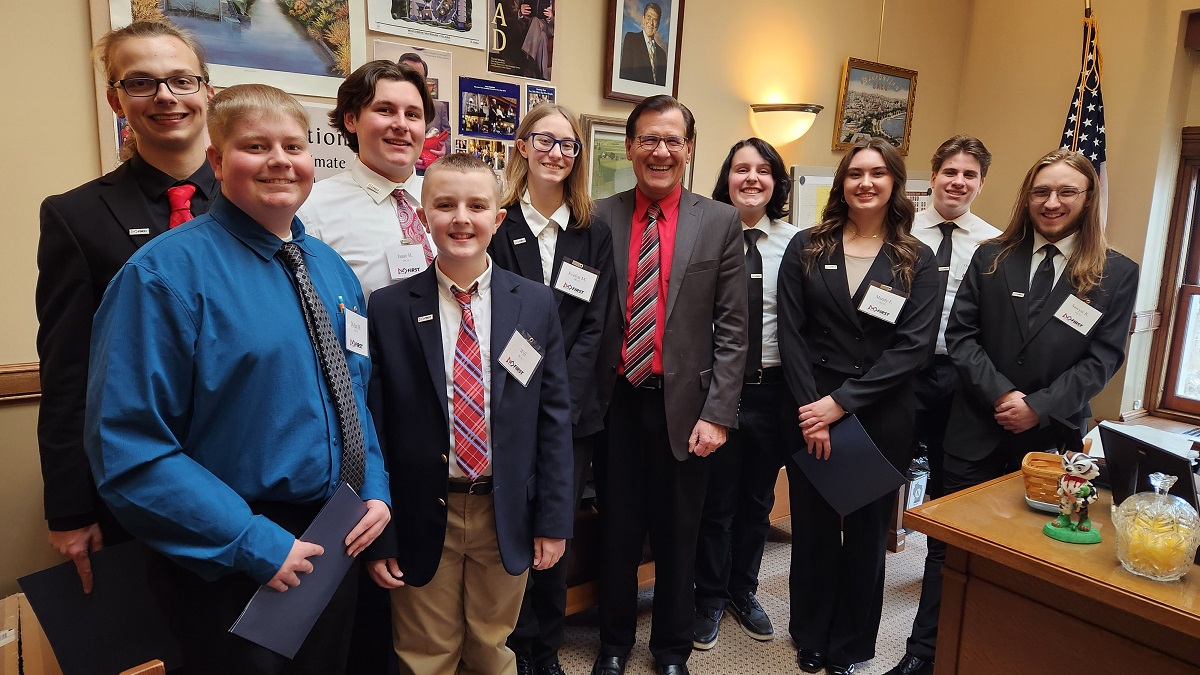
point(1016, 601)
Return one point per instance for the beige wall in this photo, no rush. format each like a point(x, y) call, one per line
point(999, 69)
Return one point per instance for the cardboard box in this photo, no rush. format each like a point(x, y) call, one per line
point(24, 650)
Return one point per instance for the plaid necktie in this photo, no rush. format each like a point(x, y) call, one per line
point(470, 429)
point(180, 199)
point(410, 226)
point(639, 348)
point(333, 365)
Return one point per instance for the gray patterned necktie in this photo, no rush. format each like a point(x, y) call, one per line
point(333, 365)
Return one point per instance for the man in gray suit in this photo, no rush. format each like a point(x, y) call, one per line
point(671, 363)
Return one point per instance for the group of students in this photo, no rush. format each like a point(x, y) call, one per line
point(461, 353)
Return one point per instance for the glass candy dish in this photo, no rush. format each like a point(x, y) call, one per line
point(1157, 533)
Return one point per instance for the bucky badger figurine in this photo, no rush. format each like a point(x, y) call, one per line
point(1075, 493)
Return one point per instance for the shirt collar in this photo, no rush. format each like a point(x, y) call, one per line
point(964, 221)
point(1065, 246)
point(256, 237)
point(379, 187)
point(764, 225)
point(537, 222)
point(154, 182)
point(484, 280)
point(668, 204)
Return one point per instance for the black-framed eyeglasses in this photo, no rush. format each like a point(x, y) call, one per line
point(148, 86)
point(650, 142)
point(569, 147)
point(1066, 195)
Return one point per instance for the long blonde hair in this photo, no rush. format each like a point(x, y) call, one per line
point(575, 190)
point(897, 223)
point(1086, 266)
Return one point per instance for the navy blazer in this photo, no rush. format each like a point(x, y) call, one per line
point(515, 249)
point(531, 427)
point(995, 350)
point(865, 363)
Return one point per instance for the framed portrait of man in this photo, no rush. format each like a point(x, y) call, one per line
point(643, 48)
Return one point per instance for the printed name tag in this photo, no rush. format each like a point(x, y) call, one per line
point(576, 279)
point(1078, 315)
point(1018, 294)
point(406, 260)
point(424, 317)
point(356, 333)
point(944, 269)
point(882, 302)
point(518, 241)
point(521, 356)
point(755, 275)
point(139, 231)
point(831, 267)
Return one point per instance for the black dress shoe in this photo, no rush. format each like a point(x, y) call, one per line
point(673, 669)
point(609, 665)
point(810, 661)
point(524, 663)
point(912, 665)
point(834, 669)
point(552, 668)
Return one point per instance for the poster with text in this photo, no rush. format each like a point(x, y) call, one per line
point(438, 67)
point(487, 108)
point(535, 94)
point(521, 38)
point(329, 151)
point(452, 22)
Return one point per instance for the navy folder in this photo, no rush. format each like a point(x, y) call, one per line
point(281, 621)
point(855, 474)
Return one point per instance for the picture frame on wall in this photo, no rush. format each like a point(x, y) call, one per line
point(609, 169)
point(643, 48)
point(877, 100)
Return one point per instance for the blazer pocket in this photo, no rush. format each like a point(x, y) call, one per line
point(705, 378)
point(531, 488)
point(702, 266)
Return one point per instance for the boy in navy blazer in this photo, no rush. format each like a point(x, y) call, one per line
point(470, 386)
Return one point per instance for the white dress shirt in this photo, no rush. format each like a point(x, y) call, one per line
point(354, 212)
point(450, 316)
point(545, 230)
point(1066, 248)
point(776, 234)
point(971, 231)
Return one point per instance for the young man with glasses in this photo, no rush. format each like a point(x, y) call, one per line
point(1038, 328)
point(158, 81)
point(671, 365)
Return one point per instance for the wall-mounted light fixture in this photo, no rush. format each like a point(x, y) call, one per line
point(782, 123)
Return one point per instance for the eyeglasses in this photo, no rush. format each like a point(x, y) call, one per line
point(1066, 195)
point(148, 86)
point(569, 147)
point(650, 142)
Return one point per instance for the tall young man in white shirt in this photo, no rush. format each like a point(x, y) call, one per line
point(367, 213)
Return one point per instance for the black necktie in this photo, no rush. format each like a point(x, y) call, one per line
point(943, 256)
point(333, 365)
point(754, 302)
point(1043, 281)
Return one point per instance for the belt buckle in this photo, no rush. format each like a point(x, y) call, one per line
point(482, 485)
point(758, 377)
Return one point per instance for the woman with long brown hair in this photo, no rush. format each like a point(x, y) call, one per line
point(857, 311)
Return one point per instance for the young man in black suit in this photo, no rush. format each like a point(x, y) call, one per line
point(89, 232)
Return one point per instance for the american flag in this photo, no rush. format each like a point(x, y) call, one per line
point(1084, 130)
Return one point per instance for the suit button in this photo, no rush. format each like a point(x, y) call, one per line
point(445, 459)
point(441, 501)
point(1020, 360)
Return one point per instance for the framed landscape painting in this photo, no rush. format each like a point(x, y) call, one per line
point(875, 100)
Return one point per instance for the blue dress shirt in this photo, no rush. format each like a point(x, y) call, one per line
point(205, 393)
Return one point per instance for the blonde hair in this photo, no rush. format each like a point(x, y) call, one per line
point(575, 190)
point(243, 100)
point(461, 163)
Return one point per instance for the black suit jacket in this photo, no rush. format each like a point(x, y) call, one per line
point(996, 351)
point(635, 60)
point(531, 427)
point(85, 238)
point(865, 363)
point(515, 249)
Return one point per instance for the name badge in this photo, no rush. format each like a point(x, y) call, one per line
point(406, 260)
point(831, 267)
point(138, 231)
point(1018, 294)
point(356, 333)
point(518, 241)
point(521, 356)
point(1078, 315)
point(882, 302)
point(424, 317)
point(944, 269)
point(576, 279)
point(756, 275)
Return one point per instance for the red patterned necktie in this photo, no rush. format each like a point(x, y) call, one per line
point(410, 226)
point(180, 198)
point(639, 347)
point(470, 429)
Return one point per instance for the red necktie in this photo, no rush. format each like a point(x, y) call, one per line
point(180, 198)
point(639, 347)
point(470, 429)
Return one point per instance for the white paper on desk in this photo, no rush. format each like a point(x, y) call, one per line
point(1174, 443)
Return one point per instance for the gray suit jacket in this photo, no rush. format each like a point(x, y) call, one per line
point(704, 344)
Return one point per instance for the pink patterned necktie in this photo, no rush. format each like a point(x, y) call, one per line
point(470, 429)
point(639, 347)
point(410, 226)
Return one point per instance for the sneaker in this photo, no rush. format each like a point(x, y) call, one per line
point(704, 629)
point(524, 663)
point(552, 668)
point(752, 618)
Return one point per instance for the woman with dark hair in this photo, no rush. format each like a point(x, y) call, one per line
point(550, 226)
point(843, 355)
point(741, 488)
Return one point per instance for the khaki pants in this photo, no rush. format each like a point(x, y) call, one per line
point(459, 621)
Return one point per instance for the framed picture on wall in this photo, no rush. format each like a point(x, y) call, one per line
point(874, 100)
point(643, 48)
point(609, 169)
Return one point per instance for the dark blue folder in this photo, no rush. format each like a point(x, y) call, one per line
point(855, 474)
point(281, 621)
